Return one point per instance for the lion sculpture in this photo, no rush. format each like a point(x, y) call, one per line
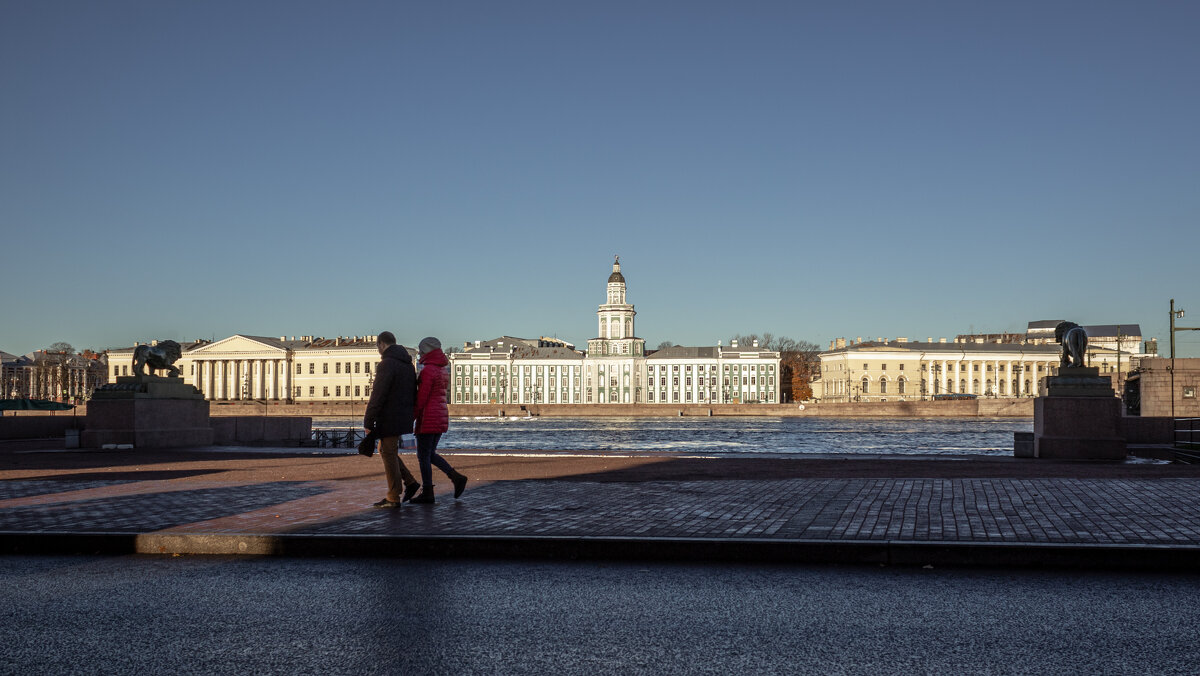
point(1074, 342)
point(160, 356)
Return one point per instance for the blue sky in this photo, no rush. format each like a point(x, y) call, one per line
point(468, 169)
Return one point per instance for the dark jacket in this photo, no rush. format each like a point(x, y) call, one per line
point(393, 394)
point(433, 416)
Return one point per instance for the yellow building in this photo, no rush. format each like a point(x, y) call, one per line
point(257, 368)
point(903, 370)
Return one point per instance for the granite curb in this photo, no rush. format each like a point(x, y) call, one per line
point(727, 550)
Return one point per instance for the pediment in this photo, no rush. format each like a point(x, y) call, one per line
point(239, 345)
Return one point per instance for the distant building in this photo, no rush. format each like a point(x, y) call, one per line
point(55, 376)
point(1128, 337)
point(260, 368)
point(903, 370)
point(616, 369)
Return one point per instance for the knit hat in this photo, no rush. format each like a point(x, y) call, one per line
point(430, 344)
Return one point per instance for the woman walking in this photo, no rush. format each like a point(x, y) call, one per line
point(433, 419)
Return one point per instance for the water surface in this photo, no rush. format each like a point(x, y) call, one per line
point(731, 436)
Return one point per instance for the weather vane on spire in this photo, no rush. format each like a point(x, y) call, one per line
point(616, 259)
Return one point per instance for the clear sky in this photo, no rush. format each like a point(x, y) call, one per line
point(181, 170)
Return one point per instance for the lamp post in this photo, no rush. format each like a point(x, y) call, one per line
point(1175, 314)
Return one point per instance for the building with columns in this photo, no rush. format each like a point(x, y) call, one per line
point(258, 368)
point(900, 370)
point(616, 369)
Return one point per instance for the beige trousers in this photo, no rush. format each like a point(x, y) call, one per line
point(397, 474)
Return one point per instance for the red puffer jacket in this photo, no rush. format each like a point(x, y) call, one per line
point(431, 413)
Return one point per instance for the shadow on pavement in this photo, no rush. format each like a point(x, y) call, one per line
point(145, 512)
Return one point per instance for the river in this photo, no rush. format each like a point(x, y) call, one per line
point(731, 436)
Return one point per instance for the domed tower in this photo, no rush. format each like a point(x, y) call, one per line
point(616, 336)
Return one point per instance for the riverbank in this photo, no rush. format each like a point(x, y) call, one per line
point(978, 408)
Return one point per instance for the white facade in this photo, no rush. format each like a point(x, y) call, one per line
point(615, 369)
point(256, 368)
point(911, 371)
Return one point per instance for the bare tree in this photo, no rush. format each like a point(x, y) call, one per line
point(61, 348)
point(665, 344)
point(799, 361)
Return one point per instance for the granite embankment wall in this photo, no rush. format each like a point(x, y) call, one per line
point(227, 430)
point(244, 424)
point(988, 408)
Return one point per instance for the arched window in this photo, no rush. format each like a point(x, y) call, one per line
point(900, 385)
point(883, 386)
point(962, 386)
point(866, 385)
point(975, 386)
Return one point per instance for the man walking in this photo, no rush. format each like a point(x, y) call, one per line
point(390, 414)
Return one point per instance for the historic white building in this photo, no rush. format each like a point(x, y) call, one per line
point(615, 369)
point(900, 370)
point(241, 368)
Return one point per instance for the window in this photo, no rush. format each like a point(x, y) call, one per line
point(367, 367)
point(325, 391)
point(337, 368)
point(902, 367)
point(900, 386)
point(312, 391)
point(883, 367)
point(347, 367)
point(358, 390)
point(299, 369)
point(338, 391)
point(356, 367)
point(864, 367)
point(324, 368)
point(866, 386)
point(297, 393)
point(650, 396)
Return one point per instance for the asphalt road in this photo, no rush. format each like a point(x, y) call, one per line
point(61, 615)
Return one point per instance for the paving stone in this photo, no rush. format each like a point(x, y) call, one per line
point(1058, 510)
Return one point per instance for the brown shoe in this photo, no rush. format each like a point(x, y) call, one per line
point(385, 503)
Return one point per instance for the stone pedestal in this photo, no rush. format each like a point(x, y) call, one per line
point(147, 412)
point(1079, 418)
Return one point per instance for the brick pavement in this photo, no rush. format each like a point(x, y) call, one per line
point(1120, 511)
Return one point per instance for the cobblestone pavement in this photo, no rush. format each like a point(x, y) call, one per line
point(1051, 510)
